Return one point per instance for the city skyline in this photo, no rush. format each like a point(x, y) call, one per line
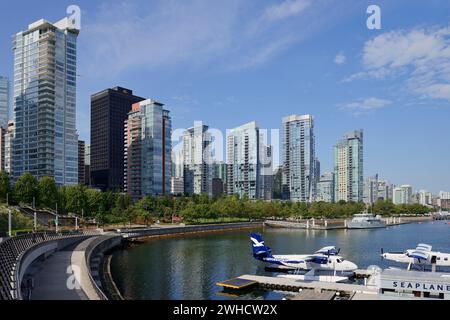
point(344, 69)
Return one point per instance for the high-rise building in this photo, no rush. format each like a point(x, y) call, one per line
point(317, 174)
point(4, 101)
point(81, 162)
point(197, 159)
point(87, 165)
point(177, 170)
point(278, 183)
point(45, 72)
point(444, 200)
point(425, 198)
point(385, 190)
point(299, 159)
point(109, 110)
point(177, 162)
point(177, 186)
point(148, 150)
point(325, 188)
point(266, 172)
point(444, 195)
point(220, 173)
point(9, 135)
point(348, 168)
point(2, 148)
point(370, 194)
point(403, 195)
point(217, 187)
point(397, 196)
point(244, 161)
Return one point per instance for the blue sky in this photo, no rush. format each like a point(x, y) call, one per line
point(229, 62)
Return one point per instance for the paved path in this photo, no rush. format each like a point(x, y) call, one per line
point(54, 280)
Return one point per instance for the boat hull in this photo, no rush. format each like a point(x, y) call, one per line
point(351, 225)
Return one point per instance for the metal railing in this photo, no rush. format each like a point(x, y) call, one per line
point(11, 251)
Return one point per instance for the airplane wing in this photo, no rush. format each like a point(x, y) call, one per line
point(424, 247)
point(419, 255)
point(330, 250)
point(319, 259)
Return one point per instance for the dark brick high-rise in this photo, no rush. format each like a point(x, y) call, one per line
point(109, 110)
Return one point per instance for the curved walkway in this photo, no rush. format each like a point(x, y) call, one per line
point(64, 275)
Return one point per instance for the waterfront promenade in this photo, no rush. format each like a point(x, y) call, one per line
point(64, 275)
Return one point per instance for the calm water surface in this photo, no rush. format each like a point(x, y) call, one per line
point(190, 267)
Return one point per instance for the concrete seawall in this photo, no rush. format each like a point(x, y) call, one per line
point(176, 231)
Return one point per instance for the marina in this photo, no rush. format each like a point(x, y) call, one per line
point(387, 285)
point(227, 256)
point(363, 221)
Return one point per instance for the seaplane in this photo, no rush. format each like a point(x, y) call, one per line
point(421, 256)
point(325, 259)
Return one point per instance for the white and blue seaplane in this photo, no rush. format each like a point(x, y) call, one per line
point(422, 256)
point(323, 265)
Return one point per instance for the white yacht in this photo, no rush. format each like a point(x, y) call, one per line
point(366, 221)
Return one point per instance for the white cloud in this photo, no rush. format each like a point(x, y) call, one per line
point(286, 9)
point(363, 106)
point(420, 55)
point(340, 58)
point(227, 34)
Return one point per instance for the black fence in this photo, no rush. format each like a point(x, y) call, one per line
point(11, 250)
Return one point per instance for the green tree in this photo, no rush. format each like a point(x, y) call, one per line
point(26, 188)
point(48, 192)
point(76, 199)
point(4, 186)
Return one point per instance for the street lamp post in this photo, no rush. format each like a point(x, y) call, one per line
point(9, 223)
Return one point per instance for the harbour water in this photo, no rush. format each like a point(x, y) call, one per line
point(189, 267)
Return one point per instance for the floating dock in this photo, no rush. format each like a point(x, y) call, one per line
point(292, 285)
point(309, 294)
point(237, 284)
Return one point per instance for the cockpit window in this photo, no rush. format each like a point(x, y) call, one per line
point(338, 260)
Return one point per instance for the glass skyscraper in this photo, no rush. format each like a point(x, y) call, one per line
point(197, 159)
point(299, 159)
point(348, 168)
point(148, 150)
point(4, 102)
point(45, 66)
point(243, 161)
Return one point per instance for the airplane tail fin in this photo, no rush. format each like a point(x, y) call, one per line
point(260, 250)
